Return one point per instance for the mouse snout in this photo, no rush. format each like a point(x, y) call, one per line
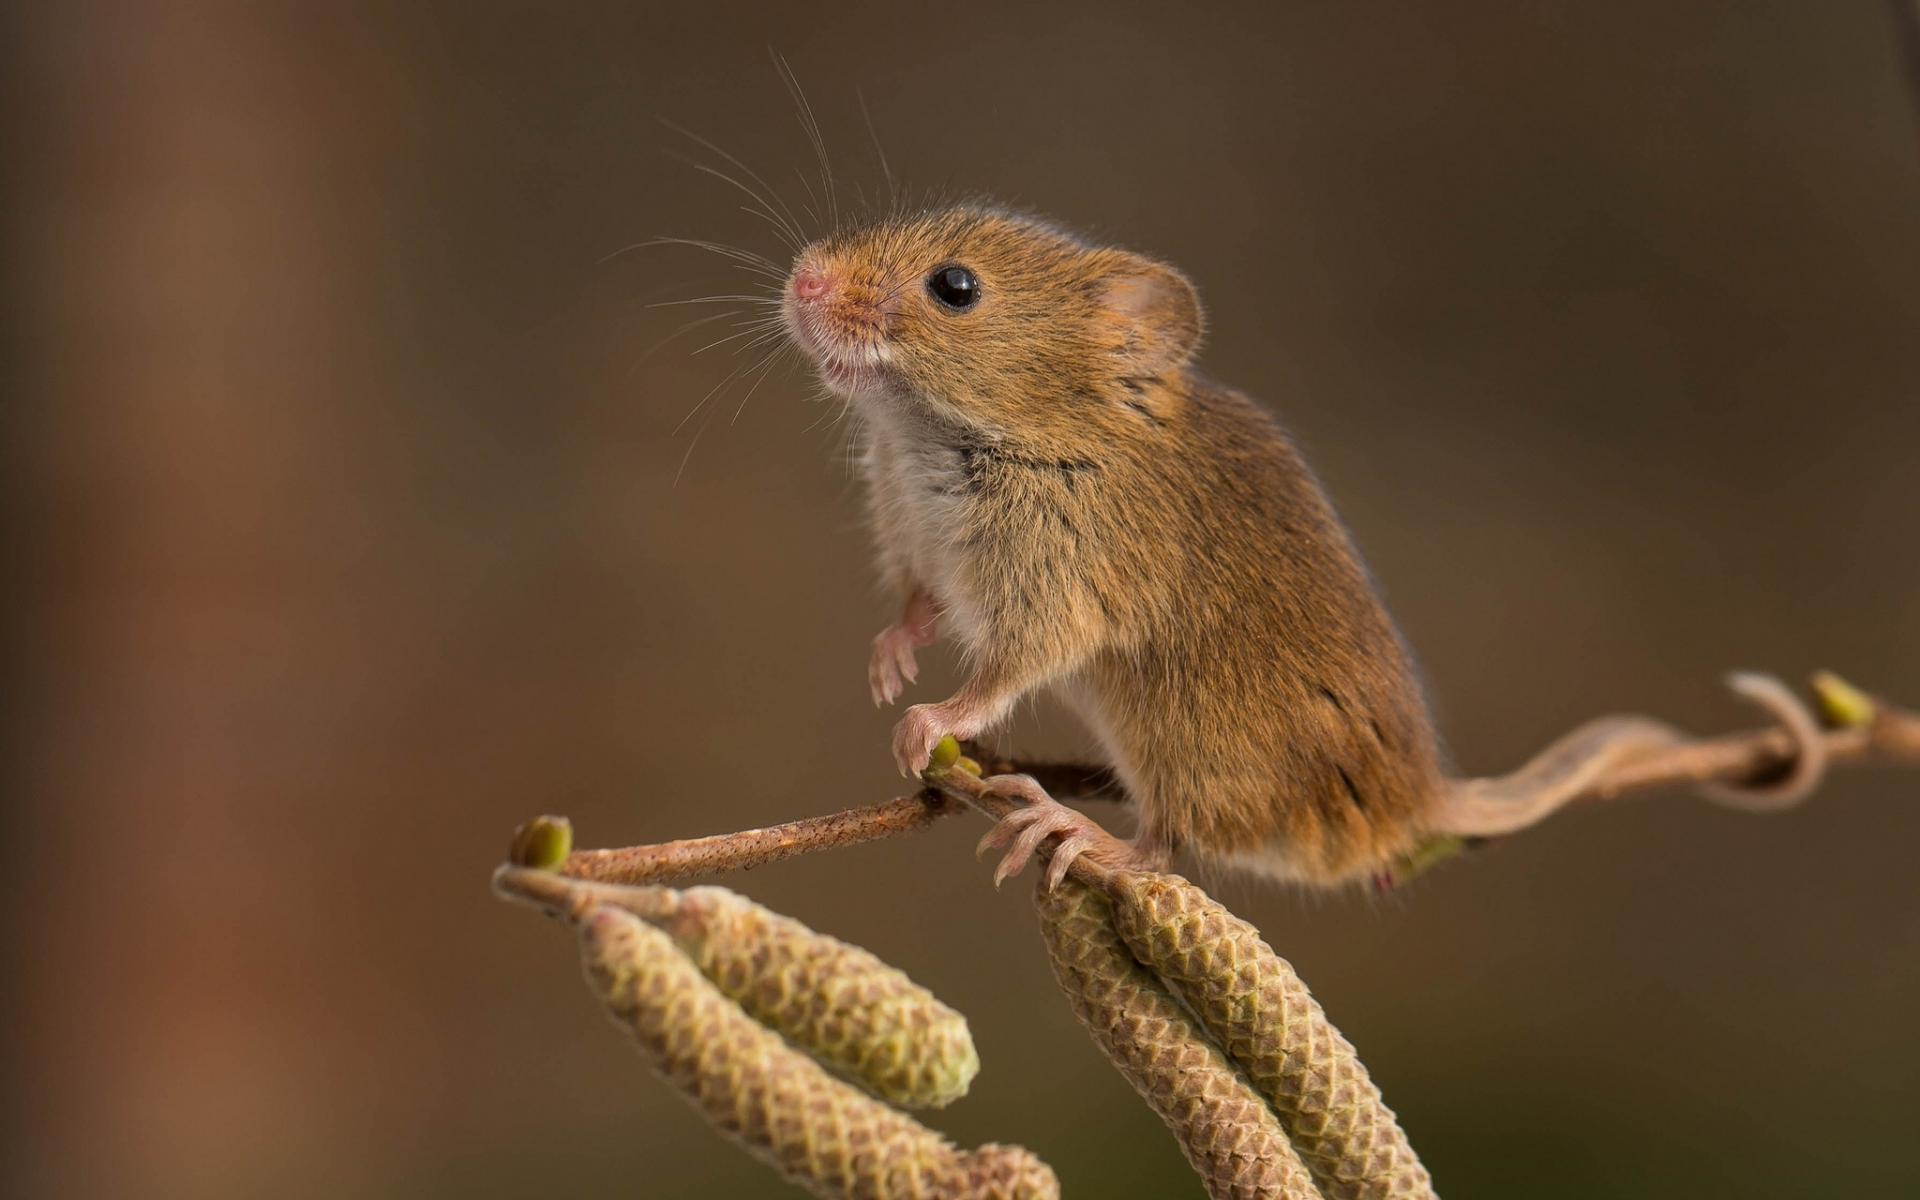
point(809, 284)
point(834, 309)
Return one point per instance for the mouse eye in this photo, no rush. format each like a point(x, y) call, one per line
point(954, 286)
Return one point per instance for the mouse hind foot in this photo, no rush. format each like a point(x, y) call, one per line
point(1044, 817)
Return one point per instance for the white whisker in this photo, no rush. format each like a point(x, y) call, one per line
point(735, 299)
point(790, 225)
point(812, 128)
point(886, 172)
point(741, 257)
point(772, 358)
point(702, 403)
point(747, 332)
point(689, 327)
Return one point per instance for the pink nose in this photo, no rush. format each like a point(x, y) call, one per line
point(809, 284)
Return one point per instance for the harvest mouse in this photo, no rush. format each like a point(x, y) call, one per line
point(1051, 481)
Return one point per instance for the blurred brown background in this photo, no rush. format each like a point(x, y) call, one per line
point(345, 534)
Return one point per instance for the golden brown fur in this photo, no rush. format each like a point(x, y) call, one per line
point(1089, 512)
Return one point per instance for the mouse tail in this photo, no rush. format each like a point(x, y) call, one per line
point(1581, 764)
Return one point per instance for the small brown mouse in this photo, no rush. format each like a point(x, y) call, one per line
point(1053, 481)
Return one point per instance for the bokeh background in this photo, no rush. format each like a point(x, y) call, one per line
point(350, 521)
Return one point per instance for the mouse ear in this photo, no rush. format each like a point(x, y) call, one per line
point(1155, 312)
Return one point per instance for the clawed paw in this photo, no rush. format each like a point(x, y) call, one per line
point(918, 732)
point(1027, 827)
point(892, 665)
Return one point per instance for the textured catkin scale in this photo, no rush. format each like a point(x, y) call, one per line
point(838, 1002)
point(775, 1102)
point(997, 1172)
point(1229, 1135)
point(1254, 1005)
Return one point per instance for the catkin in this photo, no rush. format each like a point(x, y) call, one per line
point(1260, 1012)
point(1229, 1135)
point(774, 1101)
point(860, 1017)
point(838, 1002)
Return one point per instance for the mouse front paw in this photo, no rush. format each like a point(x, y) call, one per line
point(915, 737)
point(920, 730)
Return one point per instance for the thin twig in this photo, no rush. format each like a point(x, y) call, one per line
point(1062, 780)
point(1725, 768)
point(558, 896)
point(756, 847)
point(1749, 758)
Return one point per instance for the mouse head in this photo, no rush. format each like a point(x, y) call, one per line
point(990, 320)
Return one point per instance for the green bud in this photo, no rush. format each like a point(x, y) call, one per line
point(1842, 705)
point(542, 843)
point(946, 752)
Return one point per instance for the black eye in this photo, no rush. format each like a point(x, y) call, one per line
point(954, 286)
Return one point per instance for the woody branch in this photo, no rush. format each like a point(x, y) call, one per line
point(1859, 730)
